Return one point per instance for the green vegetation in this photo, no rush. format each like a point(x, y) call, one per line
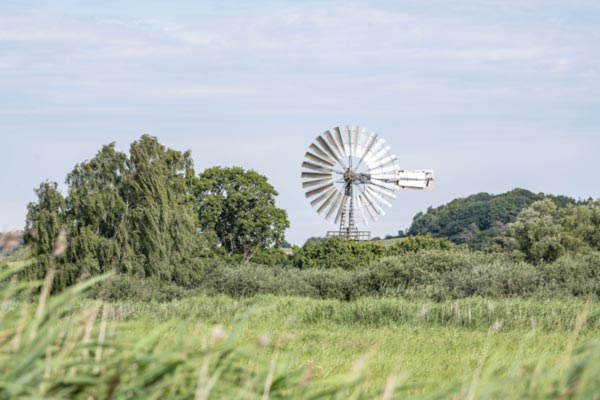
point(139, 215)
point(478, 219)
point(160, 283)
point(62, 346)
point(436, 275)
point(240, 207)
point(545, 232)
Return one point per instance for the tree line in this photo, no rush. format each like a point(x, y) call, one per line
point(148, 214)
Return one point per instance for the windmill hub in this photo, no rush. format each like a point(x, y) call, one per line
point(351, 173)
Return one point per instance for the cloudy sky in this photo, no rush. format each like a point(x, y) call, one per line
point(491, 94)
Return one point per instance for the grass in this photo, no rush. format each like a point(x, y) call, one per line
point(267, 347)
point(432, 346)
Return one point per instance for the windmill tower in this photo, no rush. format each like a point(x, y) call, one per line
point(350, 173)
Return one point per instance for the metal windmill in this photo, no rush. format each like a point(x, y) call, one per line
point(350, 173)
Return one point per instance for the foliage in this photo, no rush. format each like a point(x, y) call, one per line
point(130, 214)
point(544, 232)
point(478, 219)
point(239, 206)
point(418, 243)
point(45, 220)
point(270, 256)
point(336, 252)
point(435, 275)
point(63, 347)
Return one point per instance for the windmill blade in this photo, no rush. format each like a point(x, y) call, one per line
point(315, 175)
point(384, 170)
point(366, 206)
point(381, 150)
point(348, 136)
point(383, 191)
point(361, 209)
point(334, 146)
point(338, 199)
point(338, 217)
point(327, 202)
point(327, 148)
point(318, 190)
point(360, 144)
point(356, 139)
point(340, 141)
point(321, 153)
point(318, 159)
point(367, 144)
point(316, 182)
point(385, 182)
point(353, 140)
point(316, 167)
point(377, 153)
point(368, 148)
point(377, 197)
point(322, 197)
point(373, 203)
point(389, 160)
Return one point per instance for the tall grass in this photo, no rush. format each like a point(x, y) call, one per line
point(63, 346)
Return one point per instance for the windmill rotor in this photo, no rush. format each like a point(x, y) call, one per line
point(351, 173)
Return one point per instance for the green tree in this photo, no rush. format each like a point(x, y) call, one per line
point(162, 220)
point(478, 220)
point(45, 220)
point(239, 206)
point(132, 214)
point(544, 232)
point(97, 208)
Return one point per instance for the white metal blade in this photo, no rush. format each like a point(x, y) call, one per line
point(316, 167)
point(318, 190)
point(317, 182)
point(321, 153)
point(328, 201)
point(335, 205)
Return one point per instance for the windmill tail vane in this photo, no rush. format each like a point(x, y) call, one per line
point(350, 174)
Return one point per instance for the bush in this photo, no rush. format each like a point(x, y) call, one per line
point(336, 252)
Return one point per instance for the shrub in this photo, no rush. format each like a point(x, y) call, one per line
point(336, 252)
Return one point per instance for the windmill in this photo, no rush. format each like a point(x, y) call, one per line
point(350, 173)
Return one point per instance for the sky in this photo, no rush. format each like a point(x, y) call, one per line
point(493, 95)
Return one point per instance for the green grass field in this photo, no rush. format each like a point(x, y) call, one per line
point(432, 348)
point(267, 347)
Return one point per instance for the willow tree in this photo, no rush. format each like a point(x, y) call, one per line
point(45, 219)
point(97, 209)
point(162, 221)
point(132, 214)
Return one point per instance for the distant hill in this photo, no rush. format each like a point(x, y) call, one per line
point(477, 219)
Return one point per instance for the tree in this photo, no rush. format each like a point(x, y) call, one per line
point(478, 220)
point(97, 207)
point(45, 219)
point(162, 218)
point(132, 214)
point(544, 232)
point(239, 206)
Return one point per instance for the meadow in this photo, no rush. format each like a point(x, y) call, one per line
point(71, 346)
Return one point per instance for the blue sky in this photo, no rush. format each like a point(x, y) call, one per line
point(491, 94)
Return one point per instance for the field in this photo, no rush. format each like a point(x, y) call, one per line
point(433, 348)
